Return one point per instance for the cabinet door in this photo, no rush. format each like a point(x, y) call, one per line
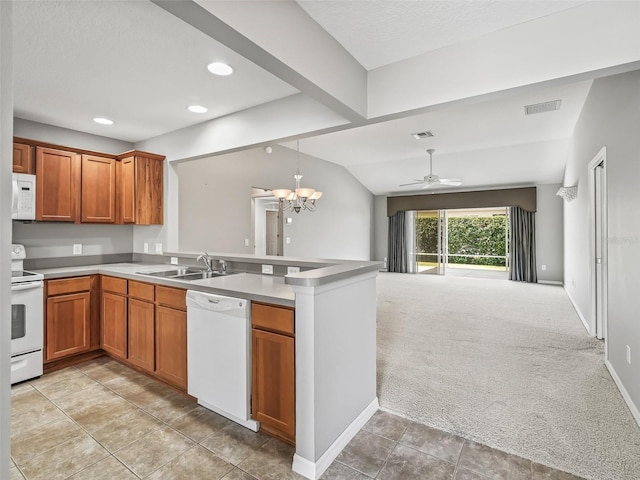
point(273, 393)
point(23, 158)
point(141, 334)
point(114, 324)
point(68, 325)
point(127, 190)
point(57, 185)
point(171, 345)
point(98, 200)
point(141, 190)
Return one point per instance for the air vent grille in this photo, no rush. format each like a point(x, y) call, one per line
point(421, 135)
point(542, 107)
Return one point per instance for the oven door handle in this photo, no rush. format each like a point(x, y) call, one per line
point(26, 285)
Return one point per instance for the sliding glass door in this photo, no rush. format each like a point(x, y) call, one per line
point(462, 242)
point(431, 242)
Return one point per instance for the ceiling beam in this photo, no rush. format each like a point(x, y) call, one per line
point(324, 71)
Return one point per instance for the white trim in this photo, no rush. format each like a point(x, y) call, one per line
point(600, 157)
point(580, 316)
point(312, 470)
point(550, 282)
point(250, 423)
point(627, 398)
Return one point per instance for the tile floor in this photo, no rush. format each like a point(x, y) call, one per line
point(102, 420)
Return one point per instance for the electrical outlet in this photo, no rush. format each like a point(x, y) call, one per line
point(246, 242)
point(268, 269)
point(77, 249)
point(174, 260)
point(293, 270)
point(288, 240)
point(159, 248)
point(543, 267)
point(145, 248)
point(628, 354)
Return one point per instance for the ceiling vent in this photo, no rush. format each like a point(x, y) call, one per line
point(421, 135)
point(542, 107)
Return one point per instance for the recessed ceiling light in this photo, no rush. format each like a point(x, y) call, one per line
point(219, 68)
point(197, 109)
point(103, 121)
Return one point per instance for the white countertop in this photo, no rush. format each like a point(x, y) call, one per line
point(262, 288)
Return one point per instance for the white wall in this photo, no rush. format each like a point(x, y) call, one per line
point(610, 118)
point(549, 234)
point(68, 138)
point(381, 224)
point(6, 154)
point(215, 205)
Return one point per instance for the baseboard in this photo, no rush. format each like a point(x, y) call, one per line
point(632, 407)
point(245, 422)
point(313, 470)
point(580, 316)
point(550, 282)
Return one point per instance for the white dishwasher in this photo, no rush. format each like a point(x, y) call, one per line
point(219, 355)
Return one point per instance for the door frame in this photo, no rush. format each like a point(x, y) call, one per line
point(598, 326)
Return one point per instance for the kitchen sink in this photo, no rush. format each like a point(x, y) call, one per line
point(186, 273)
point(174, 273)
point(200, 275)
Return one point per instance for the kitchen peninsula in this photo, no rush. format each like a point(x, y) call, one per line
point(335, 335)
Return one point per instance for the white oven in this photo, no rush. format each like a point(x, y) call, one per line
point(26, 319)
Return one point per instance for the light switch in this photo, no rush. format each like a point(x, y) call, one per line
point(159, 248)
point(77, 249)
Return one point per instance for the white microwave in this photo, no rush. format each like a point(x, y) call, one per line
point(23, 203)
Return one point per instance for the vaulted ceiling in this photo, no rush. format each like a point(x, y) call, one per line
point(351, 80)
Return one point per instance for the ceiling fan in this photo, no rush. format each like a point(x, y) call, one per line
point(431, 179)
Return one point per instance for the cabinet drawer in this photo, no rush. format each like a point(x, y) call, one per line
point(68, 285)
point(270, 317)
point(115, 285)
point(143, 291)
point(171, 297)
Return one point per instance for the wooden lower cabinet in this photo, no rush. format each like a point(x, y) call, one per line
point(273, 397)
point(68, 321)
point(141, 334)
point(114, 324)
point(68, 317)
point(171, 345)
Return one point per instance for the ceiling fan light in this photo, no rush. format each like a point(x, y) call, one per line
point(281, 193)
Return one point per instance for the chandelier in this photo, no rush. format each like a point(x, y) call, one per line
point(299, 198)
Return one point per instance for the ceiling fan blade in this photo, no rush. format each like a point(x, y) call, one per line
point(429, 185)
point(451, 181)
point(414, 183)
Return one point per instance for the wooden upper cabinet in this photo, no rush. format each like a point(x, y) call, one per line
point(98, 189)
point(23, 158)
point(140, 195)
point(57, 185)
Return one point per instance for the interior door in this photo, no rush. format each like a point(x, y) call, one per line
point(271, 232)
point(599, 242)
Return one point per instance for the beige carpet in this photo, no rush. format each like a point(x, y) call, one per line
point(506, 364)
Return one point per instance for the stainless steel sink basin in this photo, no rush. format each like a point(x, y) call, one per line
point(200, 275)
point(185, 273)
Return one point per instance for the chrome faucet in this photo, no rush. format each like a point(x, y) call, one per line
point(222, 265)
point(207, 261)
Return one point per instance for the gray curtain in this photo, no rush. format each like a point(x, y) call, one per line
point(523, 246)
point(397, 254)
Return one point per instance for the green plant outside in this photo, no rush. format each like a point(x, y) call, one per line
point(467, 236)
